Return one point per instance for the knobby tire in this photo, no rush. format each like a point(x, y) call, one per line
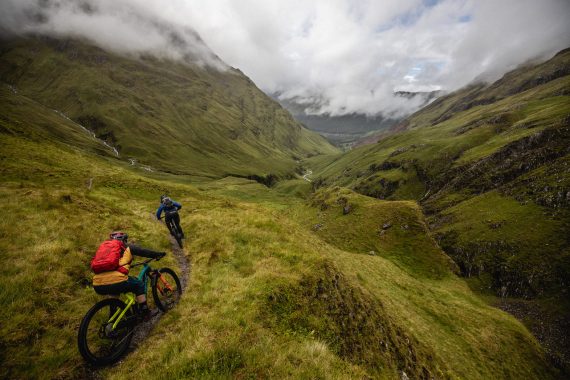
point(118, 341)
point(174, 232)
point(164, 297)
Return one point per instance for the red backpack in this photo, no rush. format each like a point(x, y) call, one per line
point(107, 257)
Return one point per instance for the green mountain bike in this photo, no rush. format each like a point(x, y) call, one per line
point(106, 330)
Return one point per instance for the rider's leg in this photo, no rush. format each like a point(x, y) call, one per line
point(167, 220)
point(132, 285)
point(176, 220)
point(137, 286)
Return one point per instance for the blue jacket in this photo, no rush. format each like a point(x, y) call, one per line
point(165, 208)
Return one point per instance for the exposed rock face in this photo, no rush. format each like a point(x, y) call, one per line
point(504, 166)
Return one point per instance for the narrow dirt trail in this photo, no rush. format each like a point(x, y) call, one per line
point(144, 329)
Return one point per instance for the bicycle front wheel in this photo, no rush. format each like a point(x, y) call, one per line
point(166, 289)
point(99, 343)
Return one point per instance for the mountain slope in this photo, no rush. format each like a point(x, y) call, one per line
point(490, 166)
point(176, 117)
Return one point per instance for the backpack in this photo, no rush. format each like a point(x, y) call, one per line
point(107, 257)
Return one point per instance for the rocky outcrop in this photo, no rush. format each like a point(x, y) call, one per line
point(504, 166)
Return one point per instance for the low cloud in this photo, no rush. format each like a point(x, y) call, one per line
point(125, 26)
point(336, 56)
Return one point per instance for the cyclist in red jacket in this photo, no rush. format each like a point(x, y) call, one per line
point(116, 281)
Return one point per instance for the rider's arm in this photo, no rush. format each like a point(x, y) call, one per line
point(159, 211)
point(143, 252)
point(177, 205)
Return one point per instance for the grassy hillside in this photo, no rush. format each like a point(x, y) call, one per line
point(174, 117)
point(490, 166)
point(270, 295)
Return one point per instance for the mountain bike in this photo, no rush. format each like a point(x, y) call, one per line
point(172, 227)
point(106, 330)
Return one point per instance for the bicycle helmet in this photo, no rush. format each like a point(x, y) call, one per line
point(119, 235)
point(167, 201)
point(162, 197)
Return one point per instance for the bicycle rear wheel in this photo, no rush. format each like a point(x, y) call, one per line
point(98, 342)
point(166, 289)
point(176, 233)
point(178, 238)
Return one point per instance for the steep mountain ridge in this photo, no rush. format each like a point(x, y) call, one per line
point(489, 165)
point(176, 117)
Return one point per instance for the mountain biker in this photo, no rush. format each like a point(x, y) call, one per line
point(118, 281)
point(170, 207)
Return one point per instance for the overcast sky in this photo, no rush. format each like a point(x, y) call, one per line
point(350, 55)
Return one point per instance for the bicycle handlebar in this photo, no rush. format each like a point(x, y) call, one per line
point(168, 213)
point(145, 262)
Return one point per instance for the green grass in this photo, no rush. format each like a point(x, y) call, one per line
point(52, 225)
point(253, 305)
point(270, 298)
point(501, 235)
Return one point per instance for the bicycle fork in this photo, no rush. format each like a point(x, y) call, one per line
point(165, 283)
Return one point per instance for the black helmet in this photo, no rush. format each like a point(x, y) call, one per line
point(119, 235)
point(166, 201)
point(162, 197)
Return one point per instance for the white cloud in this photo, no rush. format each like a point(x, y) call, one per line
point(349, 55)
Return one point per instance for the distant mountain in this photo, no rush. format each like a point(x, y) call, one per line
point(183, 117)
point(490, 164)
point(352, 129)
point(342, 130)
point(426, 95)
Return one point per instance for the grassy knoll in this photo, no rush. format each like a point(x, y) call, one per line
point(271, 298)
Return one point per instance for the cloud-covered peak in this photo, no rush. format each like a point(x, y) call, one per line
point(122, 26)
point(347, 56)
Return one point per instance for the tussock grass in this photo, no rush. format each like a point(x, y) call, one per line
point(270, 298)
point(253, 307)
point(52, 225)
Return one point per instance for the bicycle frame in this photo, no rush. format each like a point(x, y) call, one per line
point(131, 299)
point(130, 302)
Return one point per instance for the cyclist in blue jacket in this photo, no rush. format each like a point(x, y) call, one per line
point(170, 209)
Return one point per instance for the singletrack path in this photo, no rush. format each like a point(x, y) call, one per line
point(144, 329)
